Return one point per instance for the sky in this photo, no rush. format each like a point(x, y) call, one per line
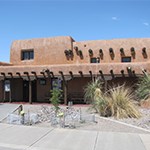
point(81, 19)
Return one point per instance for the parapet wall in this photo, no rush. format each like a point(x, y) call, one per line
point(64, 50)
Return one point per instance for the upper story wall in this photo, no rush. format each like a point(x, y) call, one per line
point(64, 50)
point(46, 50)
point(137, 49)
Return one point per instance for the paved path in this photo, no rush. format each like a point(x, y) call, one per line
point(5, 109)
point(15, 137)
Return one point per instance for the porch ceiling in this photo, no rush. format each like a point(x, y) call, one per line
point(75, 70)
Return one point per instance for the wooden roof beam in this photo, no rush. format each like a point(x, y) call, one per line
point(48, 73)
point(102, 75)
point(10, 73)
point(34, 73)
point(81, 73)
point(43, 74)
point(90, 73)
point(71, 74)
point(122, 72)
point(18, 73)
point(112, 73)
point(3, 74)
point(52, 74)
point(27, 73)
point(61, 73)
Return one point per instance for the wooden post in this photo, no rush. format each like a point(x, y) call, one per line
point(4, 90)
point(105, 82)
point(65, 92)
point(10, 93)
point(30, 92)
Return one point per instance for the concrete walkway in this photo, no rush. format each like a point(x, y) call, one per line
point(15, 137)
point(5, 109)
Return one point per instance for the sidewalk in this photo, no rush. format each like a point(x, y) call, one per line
point(6, 108)
point(15, 137)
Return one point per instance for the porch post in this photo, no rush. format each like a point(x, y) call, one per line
point(105, 82)
point(10, 93)
point(65, 92)
point(30, 92)
point(4, 91)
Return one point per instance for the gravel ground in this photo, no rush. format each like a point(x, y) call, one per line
point(129, 125)
point(108, 124)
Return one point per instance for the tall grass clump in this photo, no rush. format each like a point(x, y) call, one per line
point(143, 87)
point(90, 90)
point(122, 103)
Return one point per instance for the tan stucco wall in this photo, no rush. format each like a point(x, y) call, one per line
point(43, 91)
point(116, 44)
point(50, 51)
point(46, 51)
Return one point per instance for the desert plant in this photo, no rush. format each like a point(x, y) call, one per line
point(100, 103)
point(55, 97)
point(143, 90)
point(90, 90)
point(122, 103)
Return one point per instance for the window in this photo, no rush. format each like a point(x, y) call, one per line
point(27, 54)
point(126, 59)
point(42, 82)
point(95, 60)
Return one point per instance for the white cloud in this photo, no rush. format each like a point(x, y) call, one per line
point(114, 18)
point(146, 23)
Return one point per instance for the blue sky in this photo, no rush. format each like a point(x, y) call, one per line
point(81, 19)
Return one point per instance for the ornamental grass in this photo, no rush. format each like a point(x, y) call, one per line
point(122, 103)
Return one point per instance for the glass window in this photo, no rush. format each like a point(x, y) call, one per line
point(27, 54)
point(95, 60)
point(126, 59)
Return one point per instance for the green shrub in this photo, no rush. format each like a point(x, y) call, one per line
point(55, 97)
point(143, 90)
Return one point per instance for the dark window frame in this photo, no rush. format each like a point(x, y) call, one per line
point(126, 59)
point(95, 60)
point(27, 54)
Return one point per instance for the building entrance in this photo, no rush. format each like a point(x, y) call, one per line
point(26, 91)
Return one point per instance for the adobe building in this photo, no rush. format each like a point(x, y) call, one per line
point(37, 64)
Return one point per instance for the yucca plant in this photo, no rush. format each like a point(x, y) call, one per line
point(90, 90)
point(143, 90)
point(100, 103)
point(122, 103)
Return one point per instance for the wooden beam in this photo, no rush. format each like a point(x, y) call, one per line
point(90, 73)
point(52, 74)
point(81, 73)
point(34, 73)
point(71, 74)
point(27, 73)
point(3, 74)
point(18, 73)
point(122, 72)
point(62, 75)
point(10, 73)
point(48, 73)
point(43, 74)
point(112, 74)
point(101, 73)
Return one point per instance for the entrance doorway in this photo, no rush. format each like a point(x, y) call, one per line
point(26, 91)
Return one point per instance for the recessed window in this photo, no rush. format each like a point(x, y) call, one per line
point(27, 54)
point(126, 59)
point(42, 82)
point(95, 60)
